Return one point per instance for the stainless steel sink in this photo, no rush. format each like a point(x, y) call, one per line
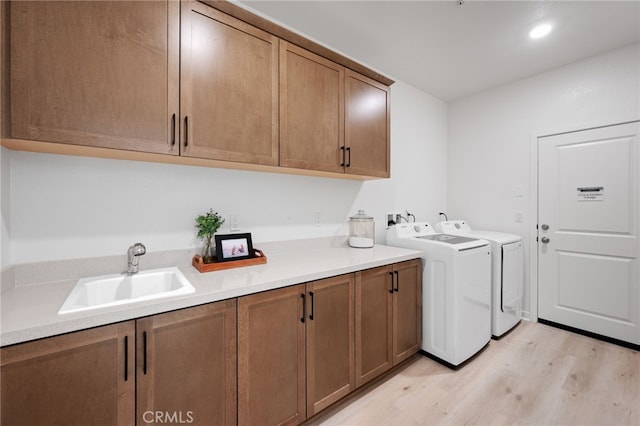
point(119, 289)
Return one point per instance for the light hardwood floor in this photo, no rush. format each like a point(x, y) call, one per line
point(535, 375)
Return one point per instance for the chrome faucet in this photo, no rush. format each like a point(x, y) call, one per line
point(133, 254)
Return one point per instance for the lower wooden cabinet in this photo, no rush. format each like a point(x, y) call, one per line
point(178, 367)
point(186, 370)
point(388, 317)
point(82, 378)
point(277, 357)
point(271, 357)
point(274, 387)
point(330, 341)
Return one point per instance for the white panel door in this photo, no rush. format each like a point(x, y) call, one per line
point(588, 275)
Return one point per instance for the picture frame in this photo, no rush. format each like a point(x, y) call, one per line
point(233, 247)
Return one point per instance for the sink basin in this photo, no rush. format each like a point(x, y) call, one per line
point(119, 289)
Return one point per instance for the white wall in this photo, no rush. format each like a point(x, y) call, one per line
point(489, 135)
point(67, 207)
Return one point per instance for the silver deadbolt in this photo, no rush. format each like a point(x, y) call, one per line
point(545, 240)
point(545, 227)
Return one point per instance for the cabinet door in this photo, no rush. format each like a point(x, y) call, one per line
point(374, 328)
point(311, 111)
point(82, 378)
point(407, 310)
point(367, 130)
point(187, 365)
point(330, 341)
point(229, 88)
point(271, 357)
point(98, 73)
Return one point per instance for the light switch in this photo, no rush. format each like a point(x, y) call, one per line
point(518, 216)
point(518, 191)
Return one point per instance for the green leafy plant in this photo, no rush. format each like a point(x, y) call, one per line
point(208, 224)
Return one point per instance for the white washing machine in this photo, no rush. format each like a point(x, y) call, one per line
point(456, 292)
point(507, 273)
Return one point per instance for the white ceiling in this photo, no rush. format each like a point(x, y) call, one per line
point(452, 51)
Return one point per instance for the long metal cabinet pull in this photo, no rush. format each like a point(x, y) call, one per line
point(304, 307)
point(397, 289)
point(349, 158)
point(126, 358)
point(186, 131)
point(312, 306)
point(173, 129)
point(342, 148)
point(391, 275)
point(144, 355)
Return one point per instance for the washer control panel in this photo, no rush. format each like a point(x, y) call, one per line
point(412, 230)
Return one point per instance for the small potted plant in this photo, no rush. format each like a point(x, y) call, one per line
point(207, 225)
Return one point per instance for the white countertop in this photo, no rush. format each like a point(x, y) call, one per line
point(32, 294)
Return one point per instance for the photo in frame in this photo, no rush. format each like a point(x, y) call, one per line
point(233, 247)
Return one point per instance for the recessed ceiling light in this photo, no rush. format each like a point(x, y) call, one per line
point(540, 31)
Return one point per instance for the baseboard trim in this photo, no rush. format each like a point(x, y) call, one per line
point(590, 334)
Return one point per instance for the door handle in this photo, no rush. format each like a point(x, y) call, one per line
point(126, 358)
point(144, 350)
point(545, 240)
point(173, 129)
point(186, 131)
point(312, 306)
point(397, 289)
point(304, 307)
point(392, 287)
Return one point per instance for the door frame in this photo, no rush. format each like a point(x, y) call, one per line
point(534, 144)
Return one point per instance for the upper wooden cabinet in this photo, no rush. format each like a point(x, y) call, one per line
point(367, 130)
point(311, 110)
point(187, 79)
point(331, 118)
point(97, 73)
point(229, 88)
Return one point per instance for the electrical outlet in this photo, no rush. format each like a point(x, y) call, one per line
point(315, 218)
point(392, 218)
point(234, 223)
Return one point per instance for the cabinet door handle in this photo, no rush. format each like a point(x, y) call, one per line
point(304, 307)
point(144, 352)
point(391, 275)
point(397, 289)
point(349, 158)
point(126, 358)
point(173, 129)
point(312, 306)
point(186, 131)
point(343, 156)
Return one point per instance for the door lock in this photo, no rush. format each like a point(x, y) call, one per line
point(545, 227)
point(545, 240)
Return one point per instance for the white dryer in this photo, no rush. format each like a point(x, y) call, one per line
point(456, 292)
point(507, 273)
